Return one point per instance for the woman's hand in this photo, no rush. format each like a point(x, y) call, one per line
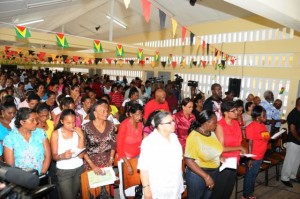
point(222, 160)
point(243, 150)
point(67, 154)
point(209, 182)
point(97, 170)
point(130, 170)
point(249, 164)
point(147, 193)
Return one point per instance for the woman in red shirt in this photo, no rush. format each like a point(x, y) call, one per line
point(229, 133)
point(258, 136)
point(129, 139)
point(183, 120)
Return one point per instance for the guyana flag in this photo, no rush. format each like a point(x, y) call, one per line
point(61, 40)
point(120, 50)
point(97, 46)
point(156, 57)
point(140, 54)
point(22, 32)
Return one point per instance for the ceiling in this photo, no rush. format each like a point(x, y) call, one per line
point(80, 17)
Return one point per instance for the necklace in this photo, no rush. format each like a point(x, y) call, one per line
point(202, 131)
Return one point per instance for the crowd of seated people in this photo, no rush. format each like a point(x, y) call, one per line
point(46, 116)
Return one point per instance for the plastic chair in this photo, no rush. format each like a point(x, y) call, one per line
point(130, 180)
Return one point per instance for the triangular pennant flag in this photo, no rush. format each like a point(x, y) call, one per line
point(153, 64)
point(170, 58)
point(31, 52)
point(131, 62)
point(108, 60)
point(182, 62)
point(120, 62)
point(191, 38)
point(53, 56)
point(142, 62)
point(174, 63)
point(61, 40)
point(64, 57)
point(119, 50)
point(195, 63)
point(98, 60)
point(140, 54)
point(22, 32)
point(203, 47)
point(126, 2)
point(198, 41)
point(41, 56)
point(146, 9)
point(204, 64)
point(163, 63)
point(6, 48)
point(97, 46)
point(183, 32)
point(207, 49)
point(174, 26)
point(232, 60)
point(156, 57)
point(75, 58)
point(162, 19)
point(216, 52)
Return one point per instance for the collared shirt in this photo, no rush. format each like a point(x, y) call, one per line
point(277, 116)
point(164, 165)
point(269, 109)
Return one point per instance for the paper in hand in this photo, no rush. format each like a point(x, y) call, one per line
point(230, 163)
point(276, 135)
point(76, 152)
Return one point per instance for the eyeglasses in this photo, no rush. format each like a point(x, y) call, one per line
point(171, 122)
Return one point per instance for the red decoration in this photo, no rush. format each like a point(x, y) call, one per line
point(174, 63)
point(183, 32)
point(41, 56)
point(75, 58)
point(108, 60)
point(146, 9)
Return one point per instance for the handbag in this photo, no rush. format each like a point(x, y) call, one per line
point(138, 192)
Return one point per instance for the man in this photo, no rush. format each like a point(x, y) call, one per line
point(51, 100)
point(213, 103)
point(171, 97)
point(277, 116)
point(132, 84)
point(158, 103)
point(31, 101)
point(267, 104)
point(148, 88)
point(2, 82)
point(292, 159)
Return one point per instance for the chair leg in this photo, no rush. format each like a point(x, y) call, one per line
point(267, 177)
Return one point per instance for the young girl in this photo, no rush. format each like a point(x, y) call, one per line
point(64, 141)
point(258, 136)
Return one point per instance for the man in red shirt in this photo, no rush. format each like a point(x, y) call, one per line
point(158, 103)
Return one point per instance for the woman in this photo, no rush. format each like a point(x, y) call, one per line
point(198, 104)
point(258, 136)
point(229, 134)
point(8, 112)
point(161, 166)
point(65, 140)
point(145, 97)
point(26, 146)
point(247, 115)
point(202, 156)
point(129, 140)
point(239, 105)
point(99, 138)
point(44, 122)
point(68, 103)
point(75, 94)
point(183, 120)
point(148, 127)
point(40, 91)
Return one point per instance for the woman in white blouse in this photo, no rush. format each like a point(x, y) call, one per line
point(161, 166)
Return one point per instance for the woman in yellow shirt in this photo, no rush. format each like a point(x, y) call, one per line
point(202, 156)
point(44, 121)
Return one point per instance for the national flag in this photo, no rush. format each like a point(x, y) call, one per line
point(156, 57)
point(61, 40)
point(140, 54)
point(97, 46)
point(22, 32)
point(120, 50)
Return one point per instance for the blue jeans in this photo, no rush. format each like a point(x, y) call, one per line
point(196, 186)
point(249, 180)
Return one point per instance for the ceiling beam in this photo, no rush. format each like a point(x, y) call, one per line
point(74, 12)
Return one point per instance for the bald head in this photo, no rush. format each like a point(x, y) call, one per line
point(160, 96)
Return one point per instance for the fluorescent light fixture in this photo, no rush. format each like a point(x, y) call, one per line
point(46, 3)
point(116, 21)
point(31, 22)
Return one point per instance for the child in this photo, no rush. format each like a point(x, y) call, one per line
point(258, 136)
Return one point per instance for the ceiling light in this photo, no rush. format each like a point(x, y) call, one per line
point(116, 21)
point(30, 22)
point(46, 3)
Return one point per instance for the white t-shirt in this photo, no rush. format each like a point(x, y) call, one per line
point(82, 113)
point(127, 100)
point(164, 165)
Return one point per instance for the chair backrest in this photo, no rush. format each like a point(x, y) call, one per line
point(85, 189)
point(131, 180)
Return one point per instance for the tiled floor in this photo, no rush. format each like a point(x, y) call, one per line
point(275, 189)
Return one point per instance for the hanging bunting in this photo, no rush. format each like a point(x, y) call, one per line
point(207, 49)
point(174, 26)
point(22, 32)
point(216, 52)
point(162, 19)
point(126, 2)
point(146, 9)
point(61, 40)
point(108, 60)
point(153, 64)
point(31, 52)
point(140, 54)
point(232, 60)
point(170, 58)
point(281, 91)
point(142, 62)
point(203, 47)
point(198, 41)
point(98, 60)
point(120, 50)
point(191, 62)
point(41, 56)
point(192, 35)
point(75, 59)
point(174, 63)
point(157, 57)
point(97, 46)
point(6, 48)
point(163, 63)
point(120, 62)
point(182, 62)
point(183, 32)
point(131, 62)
